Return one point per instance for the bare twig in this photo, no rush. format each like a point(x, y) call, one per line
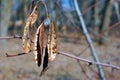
point(109, 28)
point(82, 68)
point(73, 57)
point(114, 25)
point(83, 51)
point(66, 16)
point(19, 54)
point(88, 61)
point(12, 37)
point(14, 55)
point(94, 5)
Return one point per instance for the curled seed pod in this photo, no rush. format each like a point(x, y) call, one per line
point(26, 34)
point(52, 42)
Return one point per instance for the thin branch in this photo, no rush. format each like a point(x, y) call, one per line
point(19, 54)
point(92, 6)
point(83, 51)
point(114, 25)
point(66, 16)
point(109, 28)
point(88, 61)
point(80, 65)
point(14, 55)
point(12, 37)
point(73, 57)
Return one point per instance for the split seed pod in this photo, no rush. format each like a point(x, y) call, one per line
point(38, 44)
point(45, 54)
point(41, 53)
point(51, 48)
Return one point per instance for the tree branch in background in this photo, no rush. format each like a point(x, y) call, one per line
point(73, 57)
point(89, 8)
point(101, 73)
point(109, 28)
point(66, 16)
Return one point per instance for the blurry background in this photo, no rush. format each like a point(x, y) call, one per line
point(99, 16)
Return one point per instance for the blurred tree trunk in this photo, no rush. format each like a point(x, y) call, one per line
point(105, 21)
point(5, 17)
point(0, 15)
point(96, 19)
point(25, 11)
point(117, 8)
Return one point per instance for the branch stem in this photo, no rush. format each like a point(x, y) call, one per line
point(12, 37)
point(88, 61)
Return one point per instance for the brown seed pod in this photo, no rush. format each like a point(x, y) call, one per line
point(27, 29)
point(52, 42)
point(45, 54)
point(38, 44)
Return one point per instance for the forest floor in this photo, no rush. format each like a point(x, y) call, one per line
point(62, 68)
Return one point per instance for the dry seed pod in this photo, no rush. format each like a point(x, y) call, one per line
point(41, 53)
point(26, 34)
point(51, 48)
point(52, 42)
point(45, 61)
point(38, 44)
point(45, 54)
